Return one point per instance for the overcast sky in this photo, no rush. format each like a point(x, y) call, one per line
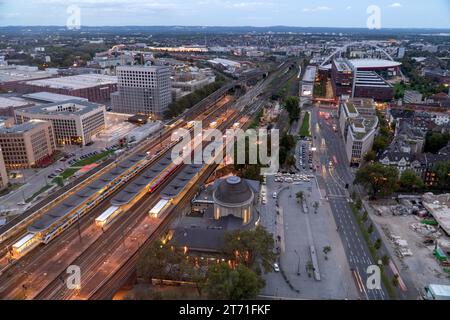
point(312, 13)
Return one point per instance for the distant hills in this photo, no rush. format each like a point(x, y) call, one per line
point(212, 29)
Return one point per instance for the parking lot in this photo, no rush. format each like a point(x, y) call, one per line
point(312, 257)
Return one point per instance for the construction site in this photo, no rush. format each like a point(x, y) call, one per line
point(417, 229)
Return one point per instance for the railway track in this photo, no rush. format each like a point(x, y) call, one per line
point(12, 284)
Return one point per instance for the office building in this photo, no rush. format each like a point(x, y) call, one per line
point(74, 121)
point(143, 90)
point(358, 124)
point(27, 145)
point(342, 77)
point(9, 104)
point(3, 173)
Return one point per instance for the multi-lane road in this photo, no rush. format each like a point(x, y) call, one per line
point(333, 179)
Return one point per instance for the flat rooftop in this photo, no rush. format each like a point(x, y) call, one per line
point(22, 73)
point(48, 97)
point(310, 74)
point(21, 128)
point(13, 102)
point(68, 107)
point(77, 82)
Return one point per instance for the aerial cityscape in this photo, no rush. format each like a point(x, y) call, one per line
point(224, 150)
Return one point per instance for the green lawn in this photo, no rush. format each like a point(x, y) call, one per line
point(79, 164)
point(304, 129)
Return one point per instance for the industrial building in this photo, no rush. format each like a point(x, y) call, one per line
point(358, 124)
point(74, 121)
point(28, 144)
point(94, 87)
point(3, 173)
point(12, 77)
point(143, 90)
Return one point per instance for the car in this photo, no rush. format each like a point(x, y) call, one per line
point(276, 268)
point(274, 195)
point(51, 176)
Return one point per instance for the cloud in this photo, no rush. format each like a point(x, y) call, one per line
point(320, 8)
point(348, 8)
point(395, 5)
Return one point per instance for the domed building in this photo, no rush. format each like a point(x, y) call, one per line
point(233, 197)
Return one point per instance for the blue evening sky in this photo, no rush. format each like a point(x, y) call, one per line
point(317, 13)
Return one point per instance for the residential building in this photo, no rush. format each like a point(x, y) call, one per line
point(412, 96)
point(143, 90)
point(3, 173)
point(358, 124)
point(422, 164)
point(74, 121)
point(28, 144)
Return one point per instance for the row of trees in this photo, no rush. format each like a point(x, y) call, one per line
point(382, 181)
point(248, 251)
point(177, 107)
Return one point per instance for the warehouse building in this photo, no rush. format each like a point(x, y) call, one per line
point(94, 87)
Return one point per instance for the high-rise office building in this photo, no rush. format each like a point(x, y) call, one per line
point(143, 90)
point(358, 123)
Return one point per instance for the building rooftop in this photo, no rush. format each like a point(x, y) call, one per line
point(69, 107)
point(310, 74)
point(22, 73)
point(48, 97)
point(77, 82)
point(374, 63)
point(21, 128)
point(13, 102)
point(362, 116)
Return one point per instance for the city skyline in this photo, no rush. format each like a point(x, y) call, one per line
point(326, 13)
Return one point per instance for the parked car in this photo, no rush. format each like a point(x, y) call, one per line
point(276, 268)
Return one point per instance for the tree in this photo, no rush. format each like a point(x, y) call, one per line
point(442, 170)
point(377, 244)
point(370, 229)
point(365, 216)
point(410, 181)
point(251, 247)
point(377, 179)
point(300, 196)
point(292, 107)
point(370, 156)
point(160, 261)
point(224, 283)
point(380, 143)
point(385, 260)
point(326, 249)
point(435, 141)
